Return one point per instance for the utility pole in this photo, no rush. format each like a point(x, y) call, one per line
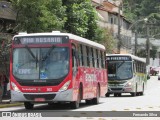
point(135, 46)
point(119, 31)
point(148, 46)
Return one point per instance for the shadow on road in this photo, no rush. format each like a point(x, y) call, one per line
point(123, 95)
point(57, 107)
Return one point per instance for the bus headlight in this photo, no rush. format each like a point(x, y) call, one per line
point(128, 84)
point(65, 86)
point(15, 88)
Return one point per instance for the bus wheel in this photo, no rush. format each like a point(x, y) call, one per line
point(107, 94)
point(134, 93)
point(88, 102)
point(141, 93)
point(115, 94)
point(75, 104)
point(119, 94)
point(28, 105)
point(96, 100)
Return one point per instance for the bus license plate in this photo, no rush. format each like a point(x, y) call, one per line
point(39, 99)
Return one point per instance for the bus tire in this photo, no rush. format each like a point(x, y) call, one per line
point(75, 104)
point(134, 93)
point(88, 102)
point(95, 101)
point(119, 94)
point(116, 94)
point(142, 93)
point(107, 94)
point(28, 105)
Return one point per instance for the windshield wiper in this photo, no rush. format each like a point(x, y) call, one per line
point(120, 64)
point(48, 53)
point(29, 50)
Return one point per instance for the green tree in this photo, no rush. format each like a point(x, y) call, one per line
point(105, 37)
point(33, 16)
point(82, 20)
point(77, 19)
point(153, 52)
point(141, 8)
point(131, 9)
point(141, 53)
point(74, 16)
point(93, 28)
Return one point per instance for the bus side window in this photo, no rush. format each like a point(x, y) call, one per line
point(92, 53)
point(88, 56)
point(84, 55)
point(97, 58)
point(74, 60)
point(134, 67)
point(80, 50)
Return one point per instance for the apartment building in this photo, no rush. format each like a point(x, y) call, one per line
point(110, 15)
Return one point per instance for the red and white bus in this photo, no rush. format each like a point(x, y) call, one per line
point(56, 67)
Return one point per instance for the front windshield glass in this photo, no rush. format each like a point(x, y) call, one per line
point(121, 70)
point(40, 63)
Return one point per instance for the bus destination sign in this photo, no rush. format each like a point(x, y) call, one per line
point(41, 40)
point(118, 58)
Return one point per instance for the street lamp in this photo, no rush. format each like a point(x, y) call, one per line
point(119, 3)
point(148, 46)
point(143, 19)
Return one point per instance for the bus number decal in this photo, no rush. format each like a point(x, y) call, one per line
point(49, 89)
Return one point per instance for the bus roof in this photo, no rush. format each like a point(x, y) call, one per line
point(71, 36)
point(132, 56)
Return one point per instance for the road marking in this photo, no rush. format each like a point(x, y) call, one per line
point(114, 110)
point(150, 107)
point(76, 116)
point(65, 116)
point(83, 113)
point(89, 117)
point(99, 111)
point(101, 119)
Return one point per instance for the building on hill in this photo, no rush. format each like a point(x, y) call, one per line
point(109, 17)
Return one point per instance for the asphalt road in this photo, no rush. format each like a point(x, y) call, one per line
point(150, 101)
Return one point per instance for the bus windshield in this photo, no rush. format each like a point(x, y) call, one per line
point(121, 70)
point(40, 63)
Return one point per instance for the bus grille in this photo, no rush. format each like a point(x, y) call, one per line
point(45, 96)
point(116, 89)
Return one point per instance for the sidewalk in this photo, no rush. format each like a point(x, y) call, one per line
point(6, 101)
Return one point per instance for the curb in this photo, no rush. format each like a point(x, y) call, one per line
point(7, 103)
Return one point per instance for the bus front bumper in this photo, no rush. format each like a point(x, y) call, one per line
point(63, 96)
point(120, 90)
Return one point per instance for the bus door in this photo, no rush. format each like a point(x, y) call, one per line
point(75, 72)
point(74, 63)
